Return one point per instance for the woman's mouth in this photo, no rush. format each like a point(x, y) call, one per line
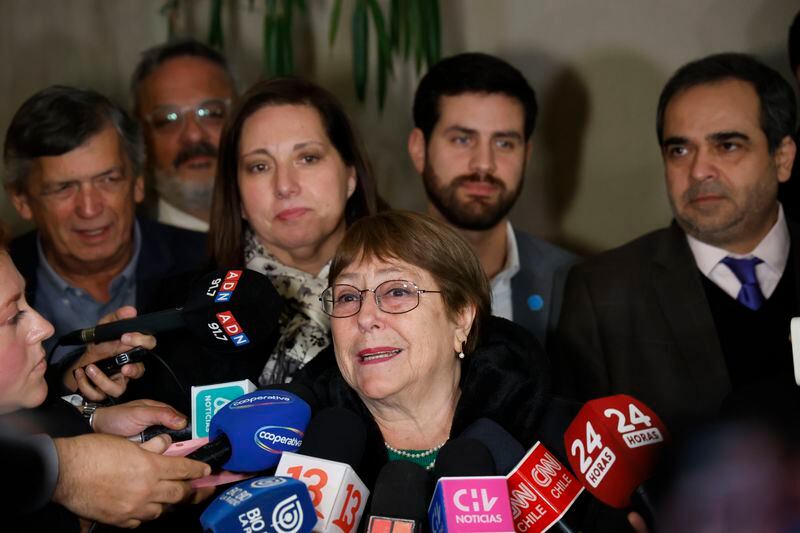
point(377, 355)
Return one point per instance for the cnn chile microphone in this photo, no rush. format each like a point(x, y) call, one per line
point(472, 503)
point(332, 447)
point(269, 504)
point(225, 311)
point(250, 433)
point(541, 490)
point(613, 445)
point(399, 499)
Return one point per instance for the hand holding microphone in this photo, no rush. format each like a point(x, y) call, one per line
point(86, 378)
point(225, 311)
point(250, 433)
point(131, 418)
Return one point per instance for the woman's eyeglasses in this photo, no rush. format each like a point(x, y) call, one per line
point(394, 296)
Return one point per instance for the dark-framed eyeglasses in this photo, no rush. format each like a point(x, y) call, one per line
point(169, 118)
point(395, 296)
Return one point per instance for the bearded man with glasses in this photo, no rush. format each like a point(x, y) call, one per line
point(182, 92)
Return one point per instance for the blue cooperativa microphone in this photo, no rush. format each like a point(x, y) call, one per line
point(250, 433)
point(270, 504)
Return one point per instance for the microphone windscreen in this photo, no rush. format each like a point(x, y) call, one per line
point(462, 457)
point(301, 391)
point(228, 310)
point(506, 450)
point(402, 490)
point(260, 426)
point(335, 434)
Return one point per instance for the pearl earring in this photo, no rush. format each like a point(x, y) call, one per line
point(461, 355)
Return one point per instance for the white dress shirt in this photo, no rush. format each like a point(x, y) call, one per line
point(773, 250)
point(169, 214)
point(502, 304)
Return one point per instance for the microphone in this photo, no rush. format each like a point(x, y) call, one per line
point(541, 491)
point(250, 433)
point(332, 447)
point(271, 504)
point(463, 457)
point(207, 400)
point(225, 310)
point(475, 503)
point(613, 445)
point(399, 500)
point(505, 450)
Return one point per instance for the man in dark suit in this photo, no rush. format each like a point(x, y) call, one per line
point(683, 316)
point(474, 116)
point(74, 167)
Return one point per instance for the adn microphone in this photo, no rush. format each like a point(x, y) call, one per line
point(399, 499)
point(476, 503)
point(226, 310)
point(271, 504)
point(613, 445)
point(541, 491)
point(332, 447)
point(250, 433)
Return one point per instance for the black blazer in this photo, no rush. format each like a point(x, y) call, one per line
point(636, 320)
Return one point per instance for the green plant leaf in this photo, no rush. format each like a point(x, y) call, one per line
point(384, 50)
point(435, 34)
point(360, 31)
point(334, 24)
point(215, 33)
point(288, 44)
point(394, 24)
point(419, 45)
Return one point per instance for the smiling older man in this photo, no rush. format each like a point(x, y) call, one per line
point(73, 167)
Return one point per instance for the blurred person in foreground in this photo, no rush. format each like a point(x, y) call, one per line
point(86, 477)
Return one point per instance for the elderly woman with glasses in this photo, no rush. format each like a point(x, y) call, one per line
point(417, 353)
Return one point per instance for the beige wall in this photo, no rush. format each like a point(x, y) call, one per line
point(595, 178)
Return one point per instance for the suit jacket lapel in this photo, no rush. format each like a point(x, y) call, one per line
point(682, 298)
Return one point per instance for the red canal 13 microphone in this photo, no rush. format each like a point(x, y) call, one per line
point(613, 444)
point(225, 311)
point(333, 446)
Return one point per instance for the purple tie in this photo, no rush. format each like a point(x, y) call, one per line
point(745, 269)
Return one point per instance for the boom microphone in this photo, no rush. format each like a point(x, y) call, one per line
point(250, 433)
point(270, 504)
point(613, 445)
point(332, 448)
point(226, 310)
